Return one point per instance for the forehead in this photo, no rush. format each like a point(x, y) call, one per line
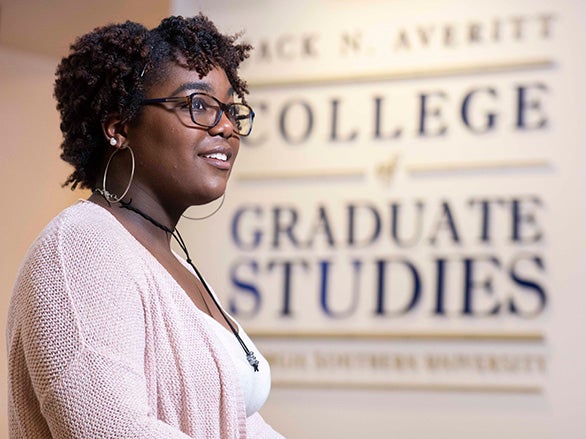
point(179, 81)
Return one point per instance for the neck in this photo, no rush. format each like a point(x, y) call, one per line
point(152, 229)
point(171, 232)
point(127, 205)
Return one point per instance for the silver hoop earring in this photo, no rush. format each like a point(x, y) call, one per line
point(110, 197)
point(197, 218)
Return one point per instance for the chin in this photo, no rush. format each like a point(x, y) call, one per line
point(211, 197)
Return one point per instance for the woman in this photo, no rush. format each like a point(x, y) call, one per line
point(110, 333)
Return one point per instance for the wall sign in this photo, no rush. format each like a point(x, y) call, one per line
point(391, 223)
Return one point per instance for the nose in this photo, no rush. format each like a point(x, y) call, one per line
point(223, 128)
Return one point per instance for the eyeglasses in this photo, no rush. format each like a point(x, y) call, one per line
point(206, 111)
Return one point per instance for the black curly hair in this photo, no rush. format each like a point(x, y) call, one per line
point(109, 69)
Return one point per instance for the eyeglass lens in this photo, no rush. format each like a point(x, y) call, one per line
point(207, 111)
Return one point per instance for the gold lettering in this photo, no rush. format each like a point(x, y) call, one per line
point(425, 35)
point(485, 363)
point(351, 43)
point(402, 41)
point(518, 23)
point(474, 33)
point(545, 25)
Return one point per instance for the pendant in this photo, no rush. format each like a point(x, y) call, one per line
point(252, 360)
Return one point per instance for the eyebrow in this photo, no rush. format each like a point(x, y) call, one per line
point(198, 86)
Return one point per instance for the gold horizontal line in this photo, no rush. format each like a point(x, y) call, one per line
point(398, 75)
point(301, 174)
point(414, 168)
point(532, 337)
point(409, 387)
point(477, 165)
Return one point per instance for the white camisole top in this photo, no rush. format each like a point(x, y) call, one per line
point(255, 385)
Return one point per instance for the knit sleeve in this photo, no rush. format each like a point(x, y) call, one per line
point(98, 397)
point(81, 321)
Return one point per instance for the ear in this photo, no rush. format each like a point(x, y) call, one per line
point(115, 128)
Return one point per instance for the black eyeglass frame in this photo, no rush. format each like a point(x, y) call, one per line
point(224, 108)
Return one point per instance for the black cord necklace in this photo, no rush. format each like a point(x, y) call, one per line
point(177, 236)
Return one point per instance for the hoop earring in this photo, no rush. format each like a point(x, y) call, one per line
point(197, 218)
point(110, 197)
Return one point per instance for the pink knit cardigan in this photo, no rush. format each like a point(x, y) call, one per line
point(103, 343)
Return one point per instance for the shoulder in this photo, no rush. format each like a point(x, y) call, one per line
point(82, 249)
point(85, 265)
point(85, 221)
point(81, 220)
point(82, 231)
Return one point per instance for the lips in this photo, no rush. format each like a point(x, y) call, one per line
point(218, 157)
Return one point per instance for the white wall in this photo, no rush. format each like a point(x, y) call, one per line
point(31, 172)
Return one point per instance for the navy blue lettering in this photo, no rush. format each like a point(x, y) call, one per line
point(324, 266)
point(245, 286)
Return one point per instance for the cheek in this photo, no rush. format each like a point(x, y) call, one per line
point(236, 148)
